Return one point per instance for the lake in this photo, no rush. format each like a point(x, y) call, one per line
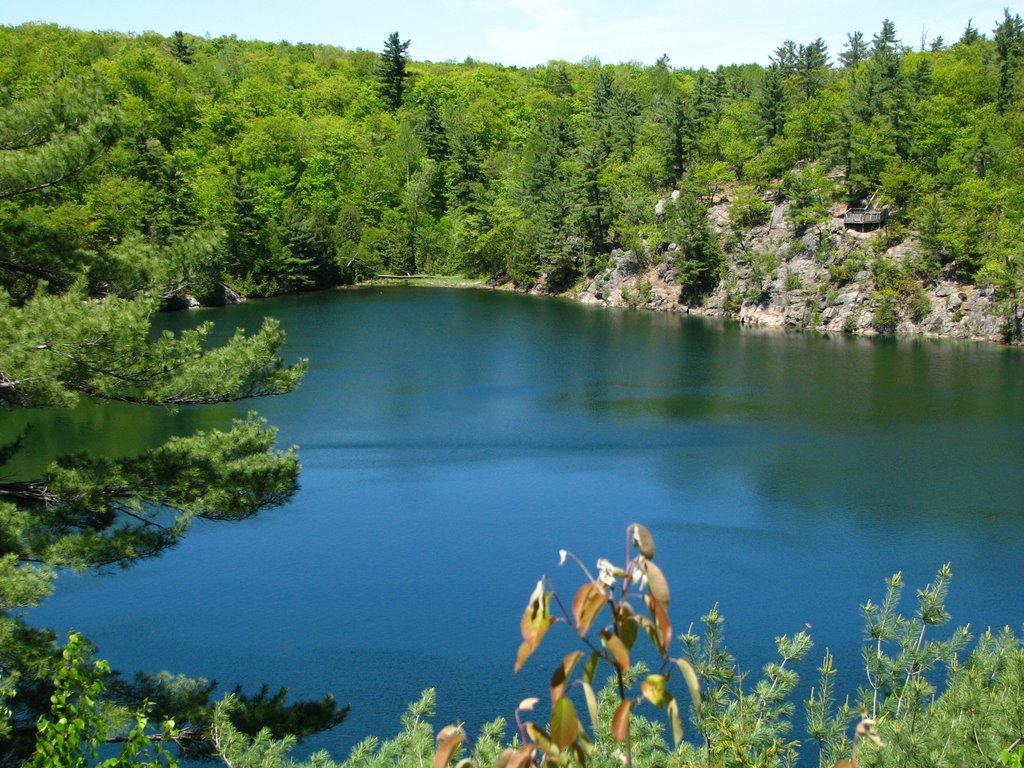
point(452, 441)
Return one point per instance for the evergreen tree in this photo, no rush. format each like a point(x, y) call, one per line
point(432, 130)
point(392, 71)
point(856, 50)
point(623, 114)
point(595, 195)
point(558, 80)
point(246, 239)
point(181, 49)
point(970, 35)
point(772, 102)
point(1009, 39)
point(91, 512)
point(811, 65)
point(885, 45)
point(698, 257)
point(923, 80)
point(600, 111)
point(52, 136)
point(786, 56)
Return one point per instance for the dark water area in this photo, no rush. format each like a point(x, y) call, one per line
point(453, 441)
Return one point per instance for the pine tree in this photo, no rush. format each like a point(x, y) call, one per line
point(885, 45)
point(786, 57)
point(811, 65)
point(181, 49)
point(92, 512)
point(1009, 38)
point(970, 35)
point(771, 104)
point(50, 137)
point(392, 70)
point(856, 50)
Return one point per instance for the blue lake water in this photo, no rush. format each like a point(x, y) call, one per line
point(453, 441)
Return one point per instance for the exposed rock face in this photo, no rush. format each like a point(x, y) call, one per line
point(828, 280)
point(225, 295)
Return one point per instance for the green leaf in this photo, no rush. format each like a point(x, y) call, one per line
point(643, 540)
point(692, 681)
point(544, 742)
point(628, 631)
point(588, 694)
point(562, 674)
point(676, 721)
point(564, 724)
point(590, 669)
point(657, 584)
point(653, 689)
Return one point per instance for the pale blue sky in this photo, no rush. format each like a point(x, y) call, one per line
point(693, 33)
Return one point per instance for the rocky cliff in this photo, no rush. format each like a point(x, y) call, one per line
point(831, 279)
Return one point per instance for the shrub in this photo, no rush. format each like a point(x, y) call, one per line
point(886, 316)
point(748, 209)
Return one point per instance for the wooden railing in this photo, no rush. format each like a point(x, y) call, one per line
point(865, 216)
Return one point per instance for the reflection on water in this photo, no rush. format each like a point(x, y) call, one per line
point(453, 441)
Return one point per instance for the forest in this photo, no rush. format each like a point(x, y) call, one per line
point(270, 168)
point(140, 173)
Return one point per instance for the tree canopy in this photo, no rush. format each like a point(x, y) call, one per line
point(142, 172)
point(284, 167)
point(62, 338)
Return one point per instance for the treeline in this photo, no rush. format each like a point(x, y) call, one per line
point(277, 167)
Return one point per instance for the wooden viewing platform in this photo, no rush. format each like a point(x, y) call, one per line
point(866, 217)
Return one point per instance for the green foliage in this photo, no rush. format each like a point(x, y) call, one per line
point(58, 348)
point(763, 267)
point(697, 257)
point(272, 168)
point(749, 209)
point(919, 305)
point(273, 171)
point(809, 192)
point(393, 72)
point(640, 297)
point(740, 726)
point(886, 316)
point(53, 135)
point(86, 332)
point(78, 723)
point(793, 282)
point(607, 626)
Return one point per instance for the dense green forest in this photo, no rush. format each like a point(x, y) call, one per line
point(283, 167)
point(139, 172)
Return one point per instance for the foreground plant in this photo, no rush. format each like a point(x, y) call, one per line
point(79, 724)
point(923, 706)
point(609, 613)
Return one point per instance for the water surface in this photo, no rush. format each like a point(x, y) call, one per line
point(453, 441)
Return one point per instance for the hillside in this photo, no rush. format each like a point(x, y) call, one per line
point(835, 279)
point(203, 168)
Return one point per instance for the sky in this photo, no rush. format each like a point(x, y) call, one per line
point(693, 33)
